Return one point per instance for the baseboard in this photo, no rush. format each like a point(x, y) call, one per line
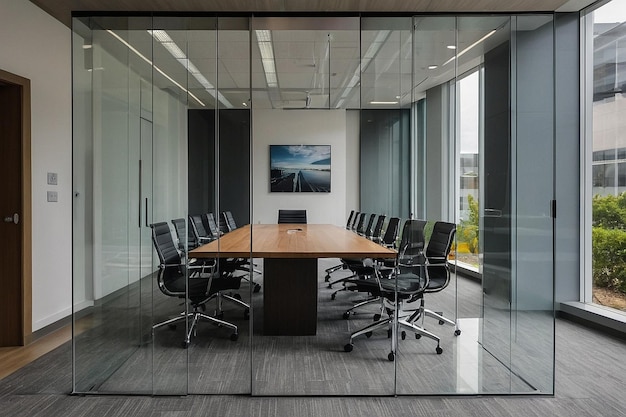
point(606, 320)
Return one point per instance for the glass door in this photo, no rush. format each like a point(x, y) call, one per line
point(113, 113)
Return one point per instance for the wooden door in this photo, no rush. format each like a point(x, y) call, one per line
point(15, 290)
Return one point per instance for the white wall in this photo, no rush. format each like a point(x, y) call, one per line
point(299, 127)
point(37, 47)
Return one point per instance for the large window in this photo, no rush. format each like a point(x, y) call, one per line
point(605, 277)
point(468, 136)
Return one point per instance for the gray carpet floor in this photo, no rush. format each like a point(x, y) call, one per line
point(590, 377)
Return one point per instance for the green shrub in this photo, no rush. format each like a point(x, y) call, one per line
point(609, 258)
point(609, 241)
point(467, 230)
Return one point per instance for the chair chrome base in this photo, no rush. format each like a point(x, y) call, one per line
point(195, 316)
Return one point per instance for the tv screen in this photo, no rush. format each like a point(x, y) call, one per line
point(300, 168)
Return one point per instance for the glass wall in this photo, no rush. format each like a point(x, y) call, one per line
point(174, 118)
point(605, 49)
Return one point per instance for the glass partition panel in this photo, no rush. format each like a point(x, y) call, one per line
point(426, 354)
point(226, 361)
point(532, 324)
point(112, 335)
point(305, 71)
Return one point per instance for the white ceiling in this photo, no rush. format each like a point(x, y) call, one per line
point(317, 58)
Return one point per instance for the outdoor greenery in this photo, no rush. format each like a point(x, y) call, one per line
point(609, 242)
point(467, 230)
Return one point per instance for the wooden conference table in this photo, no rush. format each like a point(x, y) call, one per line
point(290, 253)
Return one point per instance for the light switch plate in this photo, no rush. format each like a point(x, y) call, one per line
point(52, 178)
point(53, 196)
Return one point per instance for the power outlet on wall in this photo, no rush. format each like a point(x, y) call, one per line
point(53, 196)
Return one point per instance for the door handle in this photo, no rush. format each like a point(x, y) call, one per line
point(491, 212)
point(15, 218)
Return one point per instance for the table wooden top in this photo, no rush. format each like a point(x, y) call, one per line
point(292, 241)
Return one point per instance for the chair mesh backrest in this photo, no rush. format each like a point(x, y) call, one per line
point(370, 224)
point(229, 220)
point(164, 244)
point(292, 216)
point(213, 229)
point(360, 225)
point(355, 220)
point(378, 229)
point(441, 240)
point(412, 240)
point(350, 218)
point(391, 233)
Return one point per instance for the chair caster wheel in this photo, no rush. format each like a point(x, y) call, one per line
point(329, 286)
point(171, 326)
point(368, 334)
point(234, 337)
point(441, 322)
point(348, 347)
point(391, 356)
point(237, 296)
point(376, 317)
point(457, 332)
point(327, 278)
point(246, 314)
point(403, 335)
point(439, 350)
point(418, 336)
point(346, 315)
point(185, 344)
point(332, 296)
point(257, 288)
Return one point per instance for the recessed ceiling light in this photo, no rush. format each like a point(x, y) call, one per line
point(431, 67)
point(451, 46)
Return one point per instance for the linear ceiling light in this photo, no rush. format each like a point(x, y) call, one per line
point(159, 70)
point(371, 52)
point(164, 39)
point(264, 40)
point(470, 47)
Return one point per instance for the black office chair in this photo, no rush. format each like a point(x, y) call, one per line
point(391, 233)
point(292, 216)
point(229, 221)
point(407, 281)
point(355, 221)
point(411, 247)
point(185, 235)
point(173, 282)
point(376, 234)
point(199, 232)
point(438, 272)
point(367, 230)
point(211, 225)
point(350, 219)
point(346, 262)
point(360, 223)
point(232, 264)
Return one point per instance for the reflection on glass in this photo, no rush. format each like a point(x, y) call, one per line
point(609, 146)
point(174, 120)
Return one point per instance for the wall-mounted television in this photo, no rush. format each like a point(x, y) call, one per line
point(300, 168)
